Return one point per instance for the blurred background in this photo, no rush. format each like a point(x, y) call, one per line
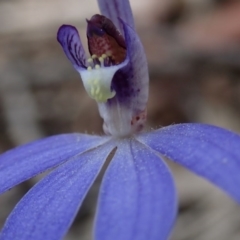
point(193, 50)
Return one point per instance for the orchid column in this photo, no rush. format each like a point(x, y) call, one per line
point(116, 74)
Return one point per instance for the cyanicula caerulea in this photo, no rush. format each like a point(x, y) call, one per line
point(137, 199)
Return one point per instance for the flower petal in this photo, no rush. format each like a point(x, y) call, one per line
point(209, 151)
point(26, 161)
point(48, 209)
point(137, 68)
point(71, 43)
point(116, 9)
point(137, 197)
point(131, 86)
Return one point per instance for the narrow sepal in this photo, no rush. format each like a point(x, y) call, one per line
point(24, 162)
point(48, 209)
point(137, 197)
point(209, 151)
point(137, 67)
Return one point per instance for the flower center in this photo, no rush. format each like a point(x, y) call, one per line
point(108, 52)
point(97, 79)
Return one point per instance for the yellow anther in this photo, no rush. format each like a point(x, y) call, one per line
point(100, 59)
point(100, 97)
point(97, 90)
point(97, 66)
point(94, 56)
point(95, 82)
point(104, 55)
point(90, 60)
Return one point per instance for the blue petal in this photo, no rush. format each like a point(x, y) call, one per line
point(71, 43)
point(137, 197)
point(26, 161)
point(136, 71)
point(209, 151)
point(137, 68)
point(48, 209)
point(116, 9)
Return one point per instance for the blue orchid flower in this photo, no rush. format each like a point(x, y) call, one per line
point(137, 199)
